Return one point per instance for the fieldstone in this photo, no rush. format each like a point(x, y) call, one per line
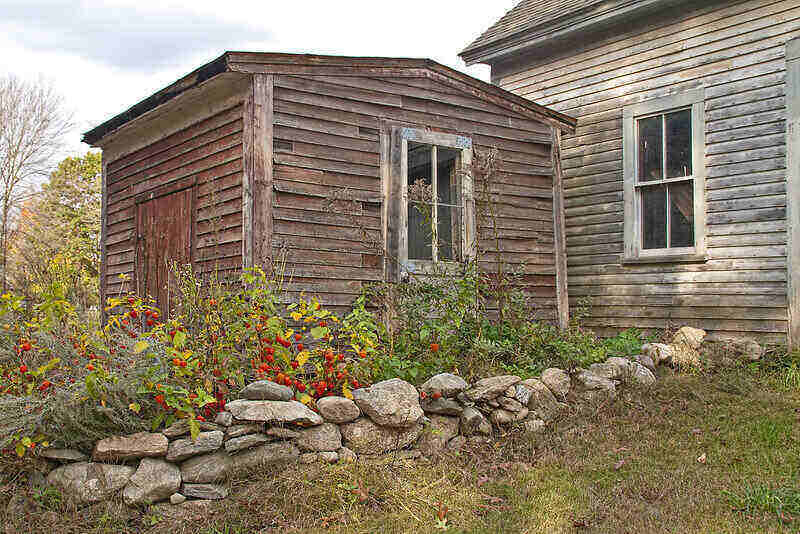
point(363, 436)
point(224, 419)
point(153, 481)
point(533, 426)
point(273, 412)
point(245, 442)
point(441, 406)
point(120, 448)
point(592, 388)
point(479, 441)
point(271, 453)
point(236, 431)
point(346, 455)
point(557, 381)
point(282, 432)
point(493, 403)
point(188, 511)
point(322, 438)
point(747, 347)
point(614, 368)
point(392, 403)
point(658, 352)
point(501, 417)
point(457, 443)
point(645, 360)
point(205, 491)
point(523, 414)
point(206, 468)
point(182, 449)
point(473, 422)
point(693, 337)
point(90, 482)
point(542, 403)
point(448, 384)
point(329, 457)
point(63, 455)
point(510, 392)
point(641, 376)
point(435, 436)
point(308, 458)
point(509, 404)
point(338, 409)
point(177, 498)
point(266, 390)
point(489, 388)
point(181, 428)
point(409, 454)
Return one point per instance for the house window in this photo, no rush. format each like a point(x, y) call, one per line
point(664, 179)
point(431, 210)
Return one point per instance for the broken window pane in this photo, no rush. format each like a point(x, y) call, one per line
point(449, 233)
point(679, 143)
point(650, 149)
point(420, 198)
point(420, 234)
point(681, 214)
point(654, 217)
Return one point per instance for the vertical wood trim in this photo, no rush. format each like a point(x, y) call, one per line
point(631, 223)
point(559, 234)
point(248, 174)
point(385, 140)
point(263, 126)
point(394, 202)
point(699, 171)
point(793, 189)
point(103, 238)
point(470, 232)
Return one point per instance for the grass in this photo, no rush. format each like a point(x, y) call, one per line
point(628, 467)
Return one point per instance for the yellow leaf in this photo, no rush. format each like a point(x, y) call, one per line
point(302, 358)
point(134, 407)
point(296, 315)
point(346, 392)
point(305, 399)
point(140, 347)
point(289, 334)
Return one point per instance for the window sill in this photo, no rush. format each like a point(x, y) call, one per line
point(666, 258)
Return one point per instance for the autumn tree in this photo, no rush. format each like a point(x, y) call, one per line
point(55, 245)
point(33, 123)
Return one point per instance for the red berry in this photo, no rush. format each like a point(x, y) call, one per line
point(434, 347)
point(201, 418)
point(90, 367)
point(422, 395)
point(150, 322)
point(299, 346)
point(298, 337)
point(295, 364)
point(362, 354)
point(26, 346)
point(340, 357)
point(437, 395)
point(134, 314)
point(23, 369)
point(183, 363)
point(131, 300)
point(301, 387)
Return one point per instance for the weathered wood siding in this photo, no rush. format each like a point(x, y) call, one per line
point(207, 153)
point(326, 144)
point(736, 51)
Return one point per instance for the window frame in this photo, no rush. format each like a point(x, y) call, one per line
point(633, 249)
point(401, 135)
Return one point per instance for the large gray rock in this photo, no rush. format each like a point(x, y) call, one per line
point(658, 352)
point(245, 442)
point(474, 422)
point(177, 498)
point(281, 432)
point(647, 361)
point(323, 438)
point(641, 376)
point(346, 455)
point(329, 457)
point(533, 426)
point(207, 468)
point(63, 455)
point(205, 491)
point(271, 453)
point(364, 437)
point(338, 409)
point(273, 412)
point(266, 390)
point(224, 419)
point(182, 449)
point(509, 404)
point(441, 406)
point(693, 337)
point(90, 482)
point(614, 368)
point(592, 388)
point(154, 480)
point(501, 417)
point(393, 403)
point(542, 403)
point(557, 381)
point(181, 428)
point(449, 385)
point(236, 431)
point(120, 448)
point(489, 388)
point(747, 347)
point(435, 436)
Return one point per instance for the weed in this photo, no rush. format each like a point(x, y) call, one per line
point(784, 502)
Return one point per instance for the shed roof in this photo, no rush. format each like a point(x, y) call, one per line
point(306, 64)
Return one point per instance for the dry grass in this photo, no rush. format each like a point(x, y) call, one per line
point(629, 467)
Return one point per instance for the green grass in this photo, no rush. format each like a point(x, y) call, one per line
point(629, 467)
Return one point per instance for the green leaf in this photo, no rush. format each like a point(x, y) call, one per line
point(179, 339)
point(157, 421)
point(141, 346)
point(194, 428)
point(20, 450)
point(319, 332)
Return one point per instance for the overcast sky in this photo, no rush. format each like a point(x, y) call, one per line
point(104, 56)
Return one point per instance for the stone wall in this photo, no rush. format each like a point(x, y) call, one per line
point(266, 427)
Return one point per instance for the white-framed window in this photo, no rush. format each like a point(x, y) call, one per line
point(664, 178)
point(431, 209)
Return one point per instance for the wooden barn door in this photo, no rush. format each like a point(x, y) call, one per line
point(164, 223)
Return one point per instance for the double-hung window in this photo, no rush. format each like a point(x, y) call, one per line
point(431, 208)
point(664, 175)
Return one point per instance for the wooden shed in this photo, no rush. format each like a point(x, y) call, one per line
point(252, 153)
point(682, 178)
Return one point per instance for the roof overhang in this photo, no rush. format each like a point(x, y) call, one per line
point(244, 63)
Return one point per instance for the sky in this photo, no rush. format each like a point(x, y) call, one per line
point(105, 56)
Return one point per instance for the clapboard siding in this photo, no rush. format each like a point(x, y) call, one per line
point(327, 145)
point(735, 50)
point(209, 153)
